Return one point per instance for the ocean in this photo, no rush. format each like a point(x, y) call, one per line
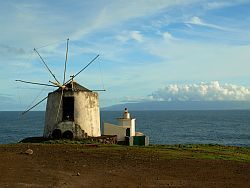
point(231, 127)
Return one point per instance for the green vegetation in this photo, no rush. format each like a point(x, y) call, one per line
point(203, 151)
point(206, 151)
point(41, 140)
point(191, 151)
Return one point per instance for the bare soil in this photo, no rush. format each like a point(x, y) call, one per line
point(70, 165)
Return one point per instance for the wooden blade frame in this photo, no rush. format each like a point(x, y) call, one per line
point(82, 69)
point(35, 83)
point(46, 65)
point(64, 75)
point(57, 83)
point(34, 105)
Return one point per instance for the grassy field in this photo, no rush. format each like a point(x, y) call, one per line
point(192, 151)
point(65, 163)
point(216, 152)
point(204, 152)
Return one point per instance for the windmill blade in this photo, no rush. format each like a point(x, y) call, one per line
point(34, 106)
point(57, 84)
point(66, 59)
point(87, 65)
point(46, 65)
point(59, 107)
point(98, 90)
point(82, 69)
point(35, 83)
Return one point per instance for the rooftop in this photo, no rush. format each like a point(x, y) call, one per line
point(74, 86)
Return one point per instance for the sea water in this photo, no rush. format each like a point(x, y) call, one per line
point(230, 127)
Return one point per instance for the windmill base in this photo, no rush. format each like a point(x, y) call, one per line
point(68, 130)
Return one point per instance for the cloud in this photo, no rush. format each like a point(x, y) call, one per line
point(213, 91)
point(8, 103)
point(130, 35)
point(168, 36)
point(137, 99)
point(198, 21)
point(52, 21)
point(216, 5)
point(136, 35)
point(6, 50)
point(223, 3)
point(124, 36)
point(117, 12)
point(4, 97)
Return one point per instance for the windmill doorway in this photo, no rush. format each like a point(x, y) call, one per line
point(68, 108)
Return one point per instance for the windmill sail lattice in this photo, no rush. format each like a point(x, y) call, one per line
point(72, 111)
point(56, 83)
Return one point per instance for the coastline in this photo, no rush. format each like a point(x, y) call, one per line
point(61, 164)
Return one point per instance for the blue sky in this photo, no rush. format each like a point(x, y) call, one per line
point(149, 50)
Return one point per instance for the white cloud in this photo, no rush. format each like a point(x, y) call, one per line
point(213, 91)
point(191, 60)
point(136, 35)
point(130, 35)
point(40, 23)
point(117, 12)
point(96, 27)
point(216, 5)
point(11, 50)
point(168, 36)
point(198, 21)
point(223, 3)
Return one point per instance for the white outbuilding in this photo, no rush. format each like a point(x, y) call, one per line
point(125, 131)
point(125, 127)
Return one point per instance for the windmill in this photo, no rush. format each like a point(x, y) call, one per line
point(72, 111)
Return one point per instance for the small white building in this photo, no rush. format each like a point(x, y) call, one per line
point(125, 130)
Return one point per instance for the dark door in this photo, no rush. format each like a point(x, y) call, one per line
point(139, 140)
point(128, 132)
point(68, 108)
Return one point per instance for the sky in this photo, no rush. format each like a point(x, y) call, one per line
point(164, 50)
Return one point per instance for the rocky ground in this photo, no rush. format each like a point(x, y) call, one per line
point(77, 165)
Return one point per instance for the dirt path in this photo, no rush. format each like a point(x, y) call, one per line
point(58, 166)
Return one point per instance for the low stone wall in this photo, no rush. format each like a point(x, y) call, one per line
point(104, 139)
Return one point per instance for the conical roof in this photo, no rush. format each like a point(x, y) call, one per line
point(74, 86)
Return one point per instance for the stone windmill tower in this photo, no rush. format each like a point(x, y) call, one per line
point(72, 110)
point(73, 114)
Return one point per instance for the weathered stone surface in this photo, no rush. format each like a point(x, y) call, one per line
point(86, 114)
